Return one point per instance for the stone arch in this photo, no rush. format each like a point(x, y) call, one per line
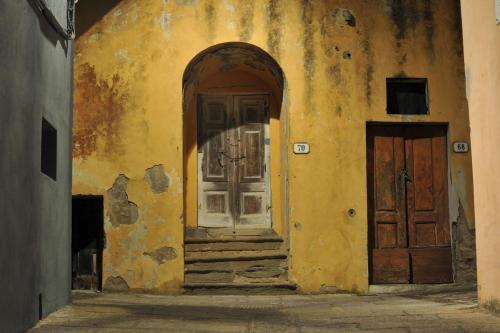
point(235, 68)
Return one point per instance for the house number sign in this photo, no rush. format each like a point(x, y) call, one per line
point(301, 148)
point(460, 147)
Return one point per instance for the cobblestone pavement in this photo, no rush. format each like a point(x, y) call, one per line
point(439, 313)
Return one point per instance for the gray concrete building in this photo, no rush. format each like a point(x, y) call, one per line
point(35, 169)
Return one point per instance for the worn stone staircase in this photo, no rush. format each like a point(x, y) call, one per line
point(236, 265)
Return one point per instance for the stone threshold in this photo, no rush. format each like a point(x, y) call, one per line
point(375, 289)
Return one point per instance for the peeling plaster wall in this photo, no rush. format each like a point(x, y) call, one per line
point(335, 56)
point(482, 66)
point(35, 210)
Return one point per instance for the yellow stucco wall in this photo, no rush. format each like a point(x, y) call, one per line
point(128, 117)
point(481, 36)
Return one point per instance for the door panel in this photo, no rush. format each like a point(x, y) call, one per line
point(252, 152)
point(254, 188)
point(387, 209)
point(408, 204)
point(233, 178)
point(214, 172)
point(391, 266)
point(432, 265)
point(427, 188)
point(213, 160)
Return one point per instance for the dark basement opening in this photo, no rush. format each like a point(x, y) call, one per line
point(87, 242)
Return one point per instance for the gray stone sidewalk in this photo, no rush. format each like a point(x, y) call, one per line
point(439, 313)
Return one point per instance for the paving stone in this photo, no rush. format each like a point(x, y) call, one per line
point(110, 313)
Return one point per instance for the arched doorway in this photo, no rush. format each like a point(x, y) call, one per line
point(232, 95)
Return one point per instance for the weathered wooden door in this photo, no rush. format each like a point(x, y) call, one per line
point(408, 204)
point(233, 161)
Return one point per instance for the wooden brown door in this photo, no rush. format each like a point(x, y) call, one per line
point(408, 204)
point(233, 162)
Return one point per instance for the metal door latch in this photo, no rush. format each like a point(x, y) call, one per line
point(405, 175)
point(229, 157)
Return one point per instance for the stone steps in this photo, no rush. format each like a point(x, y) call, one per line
point(245, 264)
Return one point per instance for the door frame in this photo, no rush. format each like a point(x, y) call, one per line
point(240, 229)
point(369, 178)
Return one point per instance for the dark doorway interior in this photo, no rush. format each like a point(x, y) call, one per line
point(87, 242)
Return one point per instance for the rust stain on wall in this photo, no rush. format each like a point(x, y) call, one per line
point(99, 107)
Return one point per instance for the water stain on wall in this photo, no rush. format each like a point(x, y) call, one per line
point(211, 19)
point(428, 15)
point(308, 44)
point(369, 68)
point(274, 26)
point(405, 16)
point(246, 12)
point(335, 74)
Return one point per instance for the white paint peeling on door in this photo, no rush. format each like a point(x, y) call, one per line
point(233, 162)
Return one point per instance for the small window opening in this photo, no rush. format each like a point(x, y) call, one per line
point(49, 149)
point(40, 307)
point(407, 96)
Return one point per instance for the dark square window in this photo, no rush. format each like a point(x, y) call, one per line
point(49, 149)
point(407, 96)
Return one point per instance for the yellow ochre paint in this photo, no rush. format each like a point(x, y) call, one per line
point(129, 117)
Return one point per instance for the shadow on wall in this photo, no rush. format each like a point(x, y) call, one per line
point(47, 30)
point(89, 12)
point(230, 68)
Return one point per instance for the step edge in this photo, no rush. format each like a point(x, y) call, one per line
point(242, 252)
point(288, 285)
point(233, 240)
point(240, 258)
point(209, 270)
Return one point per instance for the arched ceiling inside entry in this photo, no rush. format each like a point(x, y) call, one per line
point(231, 58)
